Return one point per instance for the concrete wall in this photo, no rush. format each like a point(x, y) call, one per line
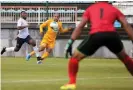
point(102, 52)
point(8, 40)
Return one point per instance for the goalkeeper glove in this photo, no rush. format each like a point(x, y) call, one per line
point(68, 48)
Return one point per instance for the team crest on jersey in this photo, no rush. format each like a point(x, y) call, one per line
point(54, 26)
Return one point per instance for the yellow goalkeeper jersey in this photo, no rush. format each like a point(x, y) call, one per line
point(53, 29)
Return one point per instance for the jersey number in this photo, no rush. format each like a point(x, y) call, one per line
point(101, 13)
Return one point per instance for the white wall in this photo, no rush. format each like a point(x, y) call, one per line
point(101, 52)
point(8, 40)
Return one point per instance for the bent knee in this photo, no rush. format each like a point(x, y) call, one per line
point(16, 49)
point(122, 55)
point(33, 44)
point(49, 50)
point(79, 56)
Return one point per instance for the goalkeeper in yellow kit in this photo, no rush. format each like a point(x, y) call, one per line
point(48, 42)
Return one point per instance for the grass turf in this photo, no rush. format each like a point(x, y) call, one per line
point(98, 74)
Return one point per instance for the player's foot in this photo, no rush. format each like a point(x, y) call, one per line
point(3, 50)
point(68, 87)
point(39, 60)
point(28, 57)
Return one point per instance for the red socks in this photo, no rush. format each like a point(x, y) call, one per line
point(129, 64)
point(74, 63)
point(72, 70)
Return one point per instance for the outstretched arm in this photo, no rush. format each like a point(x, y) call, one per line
point(64, 30)
point(127, 27)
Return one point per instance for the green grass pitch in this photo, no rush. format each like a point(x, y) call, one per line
point(94, 74)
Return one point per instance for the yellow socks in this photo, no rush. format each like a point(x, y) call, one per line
point(46, 54)
point(32, 53)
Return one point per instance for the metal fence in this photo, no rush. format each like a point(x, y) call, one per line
point(37, 14)
point(68, 14)
point(127, 9)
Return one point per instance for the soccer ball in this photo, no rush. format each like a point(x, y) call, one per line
point(54, 26)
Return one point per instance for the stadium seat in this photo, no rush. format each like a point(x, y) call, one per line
point(18, 11)
point(3, 10)
point(31, 11)
point(41, 11)
point(80, 11)
point(10, 11)
point(61, 11)
point(51, 11)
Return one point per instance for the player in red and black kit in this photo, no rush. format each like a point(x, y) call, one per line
point(102, 16)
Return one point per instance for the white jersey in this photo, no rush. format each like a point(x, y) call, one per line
point(23, 33)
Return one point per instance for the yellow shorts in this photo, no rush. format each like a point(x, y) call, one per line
point(48, 43)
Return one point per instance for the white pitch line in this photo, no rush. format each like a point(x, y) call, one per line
point(55, 80)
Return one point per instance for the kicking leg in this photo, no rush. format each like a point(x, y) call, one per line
point(41, 48)
point(46, 53)
point(7, 49)
point(15, 49)
point(30, 41)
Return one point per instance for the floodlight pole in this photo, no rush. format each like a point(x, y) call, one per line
point(47, 14)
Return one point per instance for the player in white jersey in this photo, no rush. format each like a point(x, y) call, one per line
point(22, 36)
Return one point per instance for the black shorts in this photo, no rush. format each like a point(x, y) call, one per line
point(21, 41)
point(109, 39)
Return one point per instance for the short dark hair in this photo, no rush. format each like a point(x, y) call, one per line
point(22, 12)
point(57, 14)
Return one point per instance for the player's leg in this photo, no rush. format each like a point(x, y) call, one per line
point(5, 49)
point(86, 48)
point(49, 49)
point(73, 67)
point(36, 50)
point(19, 43)
point(42, 47)
point(128, 62)
point(32, 42)
point(116, 46)
point(32, 53)
point(46, 53)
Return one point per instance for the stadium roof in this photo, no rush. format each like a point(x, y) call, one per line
point(59, 1)
point(50, 1)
